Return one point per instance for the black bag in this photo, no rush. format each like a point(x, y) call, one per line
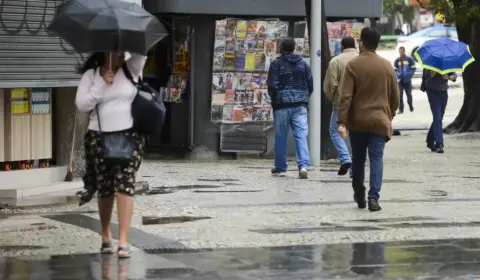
point(148, 110)
point(117, 147)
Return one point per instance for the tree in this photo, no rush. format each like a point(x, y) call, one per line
point(397, 9)
point(466, 16)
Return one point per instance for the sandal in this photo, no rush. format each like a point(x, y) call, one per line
point(124, 252)
point(106, 248)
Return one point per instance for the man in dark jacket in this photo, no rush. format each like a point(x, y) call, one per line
point(436, 86)
point(290, 84)
point(405, 69)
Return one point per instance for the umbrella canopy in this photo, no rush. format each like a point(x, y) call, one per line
point(444, 56)
point(107, 26)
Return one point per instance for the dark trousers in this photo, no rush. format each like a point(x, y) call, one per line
point(438, 102)
point(407, 87)
point(375, 144)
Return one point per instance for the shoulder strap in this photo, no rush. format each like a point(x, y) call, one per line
point(98, 118)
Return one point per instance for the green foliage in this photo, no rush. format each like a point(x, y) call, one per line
point(455, 11)
point(391, 7)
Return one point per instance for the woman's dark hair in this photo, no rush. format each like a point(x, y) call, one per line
point(94, 61)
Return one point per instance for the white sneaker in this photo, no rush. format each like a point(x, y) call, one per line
point(276, 173)
point(303, 173)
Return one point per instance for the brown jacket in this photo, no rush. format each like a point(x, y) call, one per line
point(369, 95)
point(333, 77)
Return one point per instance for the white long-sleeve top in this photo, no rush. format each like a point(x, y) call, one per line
point(114, 101)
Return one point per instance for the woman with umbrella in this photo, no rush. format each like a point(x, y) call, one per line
point(109, 28)
point(440, 58)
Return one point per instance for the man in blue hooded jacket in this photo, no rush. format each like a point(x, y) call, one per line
point(290, 84)
point(404, 68)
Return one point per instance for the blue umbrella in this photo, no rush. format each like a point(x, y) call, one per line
point(444, 55)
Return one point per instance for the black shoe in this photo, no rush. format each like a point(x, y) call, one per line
point(344, 168)
point(360, 200)
point(440, 150)
point(400, 112)
point(373, 206)
point(411, 108)
point(432, 148)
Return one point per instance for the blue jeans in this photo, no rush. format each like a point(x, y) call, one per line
point(407, 87)
point(375, 143)
point(340, 144)
point(438, 102)
point(297, 118)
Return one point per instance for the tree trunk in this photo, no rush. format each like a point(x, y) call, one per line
point(468, 119)
point(327, 149)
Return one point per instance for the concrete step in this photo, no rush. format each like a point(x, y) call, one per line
point(20, 179)
point(14, 195)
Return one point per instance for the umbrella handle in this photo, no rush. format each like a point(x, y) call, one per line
point(110, 62)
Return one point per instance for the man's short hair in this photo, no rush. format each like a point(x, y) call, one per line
point(401, 49)
point(287, 46)
point(348, 42)
point(370, 38)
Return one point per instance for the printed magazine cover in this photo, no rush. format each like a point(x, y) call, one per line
point(271, 47)
point(240, 62)
point(241, 29)
point(248, 113)
point(250, 62)
point(230, 97)
point(282, 29)
point(221, 28)
point(218, 98)
point(218, 62)
point(231, 28)
point(243, 81)
point(240, 96)
point(271, 32)
point(252, 27)
point(250, 42)
point(230, 45)
point(240, 46)
point(228, 112)
point(266, 100)
point(258, 97)
point(229, 77)
point(237, 113)
point(260, 46)
point(229, 62)
point(219, 45)
point(261, 29)
point(250, 96)
point(218, 81)
point(299, 45)
point(260, 62)
point(256, 81)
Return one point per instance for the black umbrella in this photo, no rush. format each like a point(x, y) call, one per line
point(107, 26)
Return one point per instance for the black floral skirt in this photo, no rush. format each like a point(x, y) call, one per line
point(104, 179)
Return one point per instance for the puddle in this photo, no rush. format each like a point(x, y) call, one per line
point(387, 181)
point(231, 184)
point(7, 215)
point(432, 225)
point(38, 224)
point(20, 247)
point(170, 220)
point(396, 220)
point(315, 229)
point(157, 191)
point(239, 191)
point(217, 180)
point(189, 187)
point(437, 193)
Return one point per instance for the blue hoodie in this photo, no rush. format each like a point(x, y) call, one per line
point(290, 82)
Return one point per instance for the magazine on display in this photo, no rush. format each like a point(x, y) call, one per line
point(243, 52)
point(338, 30)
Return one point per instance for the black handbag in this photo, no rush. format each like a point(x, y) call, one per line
point(118, 148)
point(148, 110)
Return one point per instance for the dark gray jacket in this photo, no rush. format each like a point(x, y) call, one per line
point(436, 82)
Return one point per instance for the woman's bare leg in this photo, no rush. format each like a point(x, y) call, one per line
point(105, 208)
point(125, 211)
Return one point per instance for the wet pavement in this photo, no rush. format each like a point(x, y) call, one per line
point(436, 259)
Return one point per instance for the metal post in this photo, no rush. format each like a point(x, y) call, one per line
point(315, 114)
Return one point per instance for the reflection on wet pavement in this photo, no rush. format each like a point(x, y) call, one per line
point(170, 220)
point(434, 259)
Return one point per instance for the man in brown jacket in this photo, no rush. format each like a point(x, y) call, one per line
point(369, 100)
point(331, 86)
